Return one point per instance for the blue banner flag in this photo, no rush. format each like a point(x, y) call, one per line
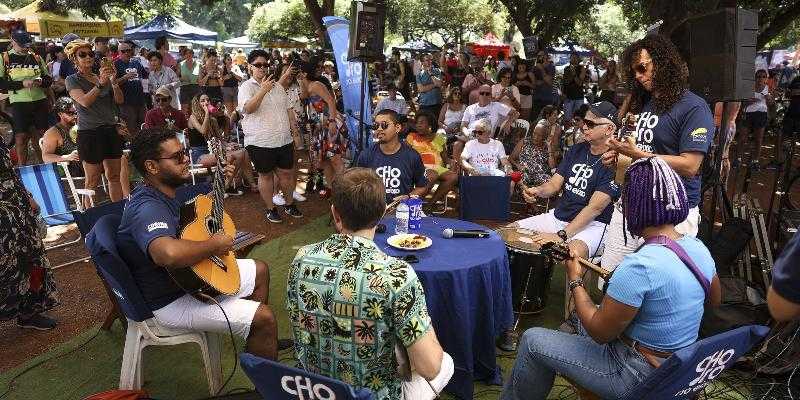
point(349, 80)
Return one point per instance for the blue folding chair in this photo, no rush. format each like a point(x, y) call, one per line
point(484, 197)
point(143, 330)
point(275, 381)
point(44, 183)
point(687, 372)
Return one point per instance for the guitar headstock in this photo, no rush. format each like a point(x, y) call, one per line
point(557, 251)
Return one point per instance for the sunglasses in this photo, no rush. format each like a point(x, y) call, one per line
point(507, 77)
point(380, 125)
point(478, 131)
point(485, 93)
point(178, 157)
point(70, 112)
point(592, 124)
point(641, 67)
point(260, 65)
point(84, 54)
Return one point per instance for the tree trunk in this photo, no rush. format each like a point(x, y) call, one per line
point(316, 13)
point(518, 10)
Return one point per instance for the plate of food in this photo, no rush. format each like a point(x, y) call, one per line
point(409, 241)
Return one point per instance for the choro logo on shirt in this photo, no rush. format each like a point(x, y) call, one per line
point(579, 180)
point(708, 369)
point(157, 225)
point(645, 124)
point(391, 178)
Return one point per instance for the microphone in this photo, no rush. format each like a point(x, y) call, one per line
point(459, 233)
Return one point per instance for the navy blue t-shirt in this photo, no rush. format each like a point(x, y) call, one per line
point(584, 174)
point(400, 171)
point(149, 215)
point(786, 272)
point(132, 88)
point(686, 127)
point(67, 68)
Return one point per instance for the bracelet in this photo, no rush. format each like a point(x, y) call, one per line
point(575, 283)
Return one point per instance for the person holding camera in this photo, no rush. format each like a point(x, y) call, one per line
point(130, 73)
point(210, 79)
point(24, 76)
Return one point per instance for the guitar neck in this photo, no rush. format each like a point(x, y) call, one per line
point(219, 182)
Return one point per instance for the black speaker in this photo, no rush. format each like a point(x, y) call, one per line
point(720, 50)
point(366, 31)
point(531, 46)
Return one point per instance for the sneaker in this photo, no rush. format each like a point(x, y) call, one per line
point(274, 216)
point(507, 342)
point(278, 199)
point(298, 197)
point(38, 322)
point(292, 211)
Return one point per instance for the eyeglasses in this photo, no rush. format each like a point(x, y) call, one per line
point(592, 124)
point(178, 157)
point(641, 67)
point(163, 99)
point(380, 125)
point(260, 65)
point(478, 131)
point(485, 93)
point(70, 112)
point(84, 54)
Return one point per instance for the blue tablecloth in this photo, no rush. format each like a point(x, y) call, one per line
point(468, 293)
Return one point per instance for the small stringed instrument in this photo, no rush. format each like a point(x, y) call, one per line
point(560, 252)
point(200, 219)
point(625, 134)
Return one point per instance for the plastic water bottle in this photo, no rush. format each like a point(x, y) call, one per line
point(401, 215)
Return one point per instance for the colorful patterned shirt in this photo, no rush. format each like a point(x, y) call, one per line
point(349, 304)
point(430, 149)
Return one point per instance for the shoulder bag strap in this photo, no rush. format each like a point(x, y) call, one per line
point(681, 253)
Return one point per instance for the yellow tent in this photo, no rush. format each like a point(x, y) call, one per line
point(51, 25)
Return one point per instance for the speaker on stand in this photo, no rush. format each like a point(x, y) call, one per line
point(367, 26)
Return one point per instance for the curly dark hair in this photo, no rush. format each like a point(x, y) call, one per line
point(147, 146)
point(670, 73)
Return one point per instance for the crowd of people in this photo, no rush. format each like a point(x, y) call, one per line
point(353, 309)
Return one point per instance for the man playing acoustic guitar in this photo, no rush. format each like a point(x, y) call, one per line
point(150, 225)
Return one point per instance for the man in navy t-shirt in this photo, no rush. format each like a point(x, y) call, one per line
point(395, 162)
point(130, 73)
point(148, 241)
point(673, 123)
point(584, 210)
point(784, 294)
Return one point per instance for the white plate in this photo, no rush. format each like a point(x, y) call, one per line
point(395, 240)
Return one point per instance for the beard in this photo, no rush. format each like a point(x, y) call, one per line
point(175, 180)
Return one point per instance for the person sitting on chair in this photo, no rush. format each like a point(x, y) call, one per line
point(783, 297)
point(483, 155)
point(58, 143)
point(353, 308)
point(652, 308)
point(584, 210)
point(431, 146)
point(150, 225)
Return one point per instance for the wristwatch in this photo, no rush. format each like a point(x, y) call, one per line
point(575, 283)
point(563, 235)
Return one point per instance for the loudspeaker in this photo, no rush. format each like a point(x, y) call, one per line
point(366, 31)
point(720, 52)
point(531, 46)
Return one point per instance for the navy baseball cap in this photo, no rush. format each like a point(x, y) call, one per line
point(68, 38)
point(605, 109)
point(22, 38)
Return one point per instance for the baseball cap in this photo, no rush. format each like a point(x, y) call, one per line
point(22, 38)
point(605, 109)
point(68, 38)
point(163, 92)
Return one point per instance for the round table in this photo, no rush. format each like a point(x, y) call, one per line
point(468, 293)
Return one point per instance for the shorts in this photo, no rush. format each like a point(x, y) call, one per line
point(592, 235)
point(188, 92)
point(755, 119)
point(791, 126)
point(230, 94)
point(266, 159)
point(98, 144)
point(189, 313)
point(27, 114)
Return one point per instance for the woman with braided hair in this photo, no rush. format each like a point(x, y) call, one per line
point(652, 308)
point(673, 123)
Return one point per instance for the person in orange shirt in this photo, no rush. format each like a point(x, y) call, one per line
point(431, 146)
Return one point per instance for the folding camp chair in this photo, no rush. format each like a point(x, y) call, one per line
point(44, 184)
point(484, 197)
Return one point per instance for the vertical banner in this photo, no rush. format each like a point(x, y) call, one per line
point(349, 80)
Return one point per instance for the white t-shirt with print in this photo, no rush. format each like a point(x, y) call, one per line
point(494, 111)
point(760, 105)
point(268, 125)
point(484, 157)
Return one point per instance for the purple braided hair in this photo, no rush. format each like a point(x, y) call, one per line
point(653, 195)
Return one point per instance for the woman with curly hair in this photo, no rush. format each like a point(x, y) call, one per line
point(672, 123)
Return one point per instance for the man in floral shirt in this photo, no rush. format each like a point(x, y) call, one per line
point(352, 307)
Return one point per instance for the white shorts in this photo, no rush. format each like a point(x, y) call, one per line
point(617, 248)
point(189, 313)
point(591, 235)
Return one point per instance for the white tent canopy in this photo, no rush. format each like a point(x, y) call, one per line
point(240, 42)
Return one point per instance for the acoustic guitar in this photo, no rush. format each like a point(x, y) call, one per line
point(200, 219)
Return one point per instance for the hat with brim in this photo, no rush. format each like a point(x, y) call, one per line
point(605, 109)
point(22, 38)
point(163, 92)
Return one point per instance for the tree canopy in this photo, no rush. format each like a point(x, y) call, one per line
point(606, 32)
point(548, 19)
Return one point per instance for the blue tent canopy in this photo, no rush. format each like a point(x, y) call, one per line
point(169, 26)
point(418, 46)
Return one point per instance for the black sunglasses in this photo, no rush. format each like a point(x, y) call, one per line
point(260, 65)
point(478, 131)
point(84, 54)
point(380, 125)
point(70, 112)
point(178, 157)
point(163, 99)
point(641, 67)
point(592, 124)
